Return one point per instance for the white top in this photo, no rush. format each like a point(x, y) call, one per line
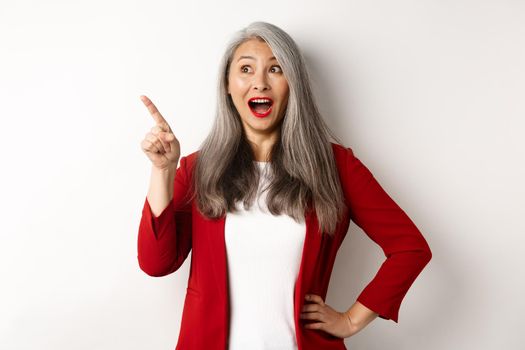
point(263, 256)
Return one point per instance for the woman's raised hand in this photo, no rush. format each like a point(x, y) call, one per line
point(160, 144)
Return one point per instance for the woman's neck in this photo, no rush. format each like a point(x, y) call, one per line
point(262, 147)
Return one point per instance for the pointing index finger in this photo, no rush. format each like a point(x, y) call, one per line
point(153, 110)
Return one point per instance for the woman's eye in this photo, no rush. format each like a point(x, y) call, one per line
point(244, 69)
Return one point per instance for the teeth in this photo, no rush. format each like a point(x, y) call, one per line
point(260, 100)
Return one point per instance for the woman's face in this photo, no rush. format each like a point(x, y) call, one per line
point(255, 73)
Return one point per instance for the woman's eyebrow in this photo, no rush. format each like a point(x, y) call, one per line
point(240, 58)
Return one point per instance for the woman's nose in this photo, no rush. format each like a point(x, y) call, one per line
point(261, 86)
point(260, 82)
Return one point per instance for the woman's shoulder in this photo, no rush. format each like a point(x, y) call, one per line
point(190, 157)
point(341, 152)
point(187, 161)
point(337, 147)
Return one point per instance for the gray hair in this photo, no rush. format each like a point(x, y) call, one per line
point(303, 168)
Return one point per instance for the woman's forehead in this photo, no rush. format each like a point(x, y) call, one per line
point(253, 49)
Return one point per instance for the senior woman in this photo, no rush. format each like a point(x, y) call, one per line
point(263, 205)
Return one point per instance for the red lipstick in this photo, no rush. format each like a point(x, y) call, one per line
point(252, 102)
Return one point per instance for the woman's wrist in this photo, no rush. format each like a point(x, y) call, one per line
point(359, 317)
point(160, 191)
point(169, 170)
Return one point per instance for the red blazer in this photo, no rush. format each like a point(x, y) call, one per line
point(165, 241)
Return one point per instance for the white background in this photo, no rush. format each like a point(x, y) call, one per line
point(429, 95)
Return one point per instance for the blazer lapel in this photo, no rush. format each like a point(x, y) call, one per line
point(217, 250)
point(312, 244)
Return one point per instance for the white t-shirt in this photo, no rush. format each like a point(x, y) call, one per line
point(263, 257)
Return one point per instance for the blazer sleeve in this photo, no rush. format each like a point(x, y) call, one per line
point(165, 241)
point(383, 221)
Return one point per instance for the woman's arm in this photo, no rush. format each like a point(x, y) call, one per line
point(360, 316)
point(160, 191)
point(405, 248)
point(165, 230)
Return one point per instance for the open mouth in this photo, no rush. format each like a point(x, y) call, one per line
point(260, 106)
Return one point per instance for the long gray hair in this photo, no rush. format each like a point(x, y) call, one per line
point(303, 169)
